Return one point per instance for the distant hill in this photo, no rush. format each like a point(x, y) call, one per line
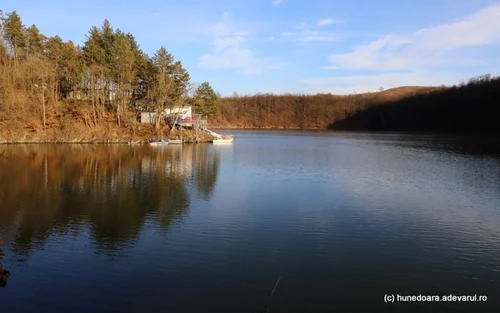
point(471, 107)
point(468, 107)
point(303, 111)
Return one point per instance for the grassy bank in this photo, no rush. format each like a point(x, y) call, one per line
point(78, 132)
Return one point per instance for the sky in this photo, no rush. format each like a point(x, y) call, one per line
point(296, 46)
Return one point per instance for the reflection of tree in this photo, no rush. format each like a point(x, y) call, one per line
point(4, 273)
point(54, 189)
point(206, 171)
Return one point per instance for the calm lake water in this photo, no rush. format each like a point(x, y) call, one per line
point(340, 218)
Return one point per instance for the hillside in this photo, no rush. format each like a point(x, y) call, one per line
point(471, 107)
point(303, 111)
point(54, 91)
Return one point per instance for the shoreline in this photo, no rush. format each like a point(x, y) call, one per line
point(190, 138)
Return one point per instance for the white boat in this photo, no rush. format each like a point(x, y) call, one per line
point(220, 138)
point(158, 143)
point(227, 139)
point(176, 141)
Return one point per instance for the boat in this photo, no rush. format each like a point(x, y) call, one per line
point(220, 138)
point(158, 143)
point(224, 139)
point(175, 141)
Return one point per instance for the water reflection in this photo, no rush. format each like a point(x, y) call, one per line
point(109, 191)
point(4, 273)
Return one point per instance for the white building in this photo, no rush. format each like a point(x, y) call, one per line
point(183, 112)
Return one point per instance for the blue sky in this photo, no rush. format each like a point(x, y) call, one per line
point(315, 46)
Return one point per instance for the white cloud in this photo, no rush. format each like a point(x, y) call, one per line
point(312, 35)
point(277, 2)
point(328, 21)
point(232, 57)
point(330, 67)
point(221, 43)
point(228, 51)
point(308, 32)
point(426, 47)
point(371, 83)
point(317, 38)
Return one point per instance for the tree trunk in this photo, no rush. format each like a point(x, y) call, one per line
point(93, 98)
point(117, 98)
point(43, 106)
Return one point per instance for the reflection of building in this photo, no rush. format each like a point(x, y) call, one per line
point(177, 162)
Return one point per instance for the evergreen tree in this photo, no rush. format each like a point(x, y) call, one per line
point(34, 41)
point(205, 100)
point(173, 72)
point(13, 31)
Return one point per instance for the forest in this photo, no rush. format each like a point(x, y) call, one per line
point(467, 107)
point(464, 108)
point(53, 90)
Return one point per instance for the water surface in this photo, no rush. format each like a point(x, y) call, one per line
point(341, 218)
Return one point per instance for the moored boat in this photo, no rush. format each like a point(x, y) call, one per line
point(220, 138)
point(175, 141)
point(158, 143)
point(224, 139)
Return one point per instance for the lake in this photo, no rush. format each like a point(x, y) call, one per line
point(331, 221)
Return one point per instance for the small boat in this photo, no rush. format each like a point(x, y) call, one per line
point(158, 143)
point(175, 141)
point(224, 139)
point(220, 138)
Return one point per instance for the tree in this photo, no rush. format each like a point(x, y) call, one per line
point(13, 29)
point(122, 70)
point(34, 41)
point(3, 50)
point(71, 68)
point(164, 62)
point(94, 56)
point(205, 101)
point(169, 81)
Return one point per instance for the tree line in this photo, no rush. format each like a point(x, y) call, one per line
point(464, 107)
point(100, 80)
point(47, 83)
point(301, 111)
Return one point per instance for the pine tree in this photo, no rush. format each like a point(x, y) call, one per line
point(34, 41)
point(13, 32)
point(170, 82)
point(205, 100)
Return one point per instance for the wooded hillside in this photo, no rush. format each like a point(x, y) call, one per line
point(302, 111)
point(466, 108)
point(52, 88)
point(55, 90)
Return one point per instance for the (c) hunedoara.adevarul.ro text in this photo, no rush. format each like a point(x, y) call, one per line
point(392, 298)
